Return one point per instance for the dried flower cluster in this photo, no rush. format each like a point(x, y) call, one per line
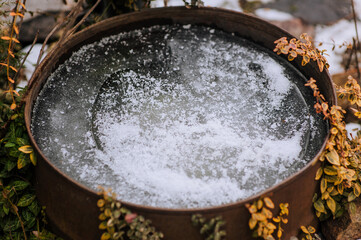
point(339, 174)
point(262, 220)
point(301, 47)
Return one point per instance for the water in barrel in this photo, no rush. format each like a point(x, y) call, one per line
point(177, 116)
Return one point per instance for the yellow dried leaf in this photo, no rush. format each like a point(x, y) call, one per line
point(279, 233)
point(304, 229)
point(251, 208)
point(267, 213)
point(33, 158)
point(13, 106)
point(340, 189)
point(319, 206)
point(268, 202)
point(11, 80)
point(334, 131)
point(357, 189)
point(16, 14)
point(26, 149)
point(331, 204)
point(277, 219)
point(103, 225)
point(101, 203)
point(311, 229)
point(351, 197)
point(259, 204)
point(329, 170)
point(6, 38)
point(333, 157)
point(323, 185)
point(325, 195)
point(319, 174)
point(252, 223)
point(102, 217)
point(14, 69)
point(107, 212)
point(285, 220)
point(21, 162)
point(271, 226)
point(16, 29)
point(105, 236)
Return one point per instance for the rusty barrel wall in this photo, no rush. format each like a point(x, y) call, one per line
point(71, 207)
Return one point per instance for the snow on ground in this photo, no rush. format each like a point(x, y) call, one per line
point(30, 62)
point(337, 34)
point(272, 14)
point(352, 128)
point(228, 4)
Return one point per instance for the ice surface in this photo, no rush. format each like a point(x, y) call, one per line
point(177, 117)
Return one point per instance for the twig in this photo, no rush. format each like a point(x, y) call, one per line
point(356, 60)
point(357, 45)
point(26, 56)
point(83, 19)
point(71, 15)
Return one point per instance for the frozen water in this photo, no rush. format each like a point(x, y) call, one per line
point(177, 117)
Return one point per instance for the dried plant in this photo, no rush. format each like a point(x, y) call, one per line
point(301, 47)
point(11, 39)
point(211, 229)
point(118, 222)
point(262, 220)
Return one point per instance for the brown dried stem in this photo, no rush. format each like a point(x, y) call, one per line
point(356, 41)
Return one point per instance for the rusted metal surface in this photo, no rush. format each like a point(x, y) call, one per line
point(71, 208)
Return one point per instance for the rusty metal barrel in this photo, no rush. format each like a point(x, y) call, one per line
point(71, 207)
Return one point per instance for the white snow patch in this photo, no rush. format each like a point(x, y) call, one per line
point(227, 4)
point(352, 128)
point(273, 14)
point(341, 32)
point(31, 60)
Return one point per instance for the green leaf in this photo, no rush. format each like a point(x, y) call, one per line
point(11, 225)
point(29, 224)
point(333, 157)
point(10, 164)
point(34, 208)
point(352, 207)
point(22, 141)
point(27, 215)
point(26, 200)
point(20, 185)
point(22, 161)
point(331, 204)
point(6, 209)
point(14, 153)
point(9, 145)
point(351, 197)
point(319, 206)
